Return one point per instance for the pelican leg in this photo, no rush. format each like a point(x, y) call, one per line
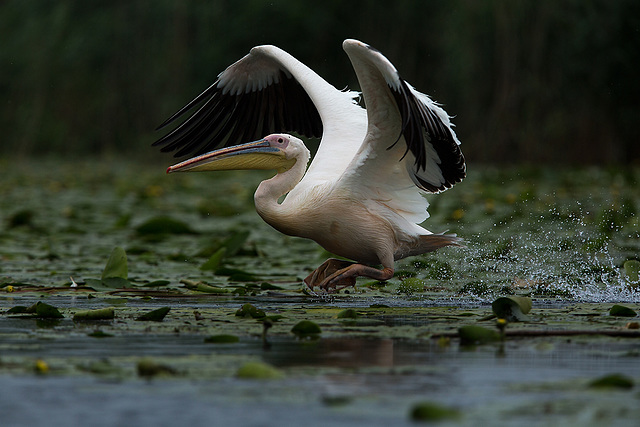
point(327, 269)
point(347, 276)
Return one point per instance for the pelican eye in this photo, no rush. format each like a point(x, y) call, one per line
point(280, 140)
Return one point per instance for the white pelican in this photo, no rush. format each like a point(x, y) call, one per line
point(361, 197)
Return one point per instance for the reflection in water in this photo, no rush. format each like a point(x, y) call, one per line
point(334, 352)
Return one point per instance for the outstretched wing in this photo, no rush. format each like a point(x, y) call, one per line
point(404, 126)
point(255, 96)
point(428, 133)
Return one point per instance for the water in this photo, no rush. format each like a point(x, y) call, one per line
point(560, 237)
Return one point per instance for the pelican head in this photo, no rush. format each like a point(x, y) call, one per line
point(274, 152)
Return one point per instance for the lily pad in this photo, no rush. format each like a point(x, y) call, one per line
point(431, 412)
point(149, 368)
point(154, 315)
point(98, 314)
point(349, 313)
point(473, 334)
point(622, 311)
point(116, 265)
point(213, 263)
point(612, 381)
point(23, 217)
point(512, 308)
point(259, 371)
point(163, 225)
point(234, 243)
point(156, 283)
point(248, 310)
point(18, 309)
point(116, 283)
point(43, 310)
point(236, 275)
point(306, 328)
point(203, 287)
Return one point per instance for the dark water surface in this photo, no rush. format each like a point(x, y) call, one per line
point(560, 237)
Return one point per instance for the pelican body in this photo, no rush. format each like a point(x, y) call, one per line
point(362, 196)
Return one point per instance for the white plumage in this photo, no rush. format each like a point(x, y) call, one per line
point(361, 197)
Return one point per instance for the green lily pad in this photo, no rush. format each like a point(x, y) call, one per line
point(149, 368)
point(338, 400)
point(116, 283)
point(431, 412)
point(234, 243)
point(612, 381)
point(248, 310)
point(163, 225)
point(512, 308)
point(18, 309)
point(622, 311)
point(98, 314)
point(43, 310)
point(259, 371)
point(21, 218)
point(203, 287)
point(213, 263)
point(102, 367)
point(156, 284)
point(236, 275)
point(306, 328)
point(349, 313)
point(473, 334)
point(108, 284)
point(116, 265)
point(154, 315)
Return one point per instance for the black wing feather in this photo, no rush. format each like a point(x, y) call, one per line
point(225, 119)
point(421, 126)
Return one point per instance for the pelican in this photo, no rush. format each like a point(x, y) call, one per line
point(362, 196)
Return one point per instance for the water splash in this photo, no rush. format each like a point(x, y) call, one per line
point(551, 254)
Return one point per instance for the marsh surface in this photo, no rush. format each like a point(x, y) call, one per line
point(194, 244)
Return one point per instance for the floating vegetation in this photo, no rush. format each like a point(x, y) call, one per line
point(613, 381)
point(107, 313)
point(156, 315)
point(248, 310)
point(349, 313)
point(525, 306)
point(159, 226)
point(474, 334)
point(306, 329)
point(433, 412)
point(512, 308)
point(148, 368)
point(622, 311)
point(259, 371)
point(40, 310)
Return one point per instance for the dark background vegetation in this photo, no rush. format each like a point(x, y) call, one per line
point(534, 82)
